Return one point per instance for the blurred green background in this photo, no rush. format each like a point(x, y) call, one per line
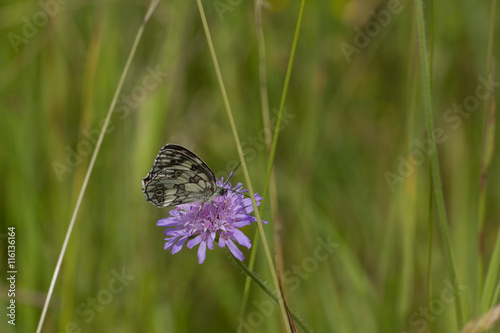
point(350, 121)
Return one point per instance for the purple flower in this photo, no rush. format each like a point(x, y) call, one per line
point(221, 220)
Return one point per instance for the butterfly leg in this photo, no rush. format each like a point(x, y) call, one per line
point(216, 209)
point(194, 222)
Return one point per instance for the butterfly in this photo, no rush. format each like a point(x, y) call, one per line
point(179, 176)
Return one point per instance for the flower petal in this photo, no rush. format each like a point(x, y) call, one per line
point(234, 250)
point(241, 238)
point(187, 223)
point(178, 246)
point(170, 242)
point(243, 217)
point(202, 252)
point(247, 202)
point(194, 241)
point(175, 232)
point(241, 224)
point(210, 243)
point(167, 222)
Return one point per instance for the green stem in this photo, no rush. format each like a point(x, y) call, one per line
point(151, 8)
point(268, 291)
point(265, 106)
point(243, 162)
point(283, 98)
point(438, 189)
point(266, 119)
point(488, 146)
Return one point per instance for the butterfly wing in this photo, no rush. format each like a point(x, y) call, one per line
point(178, 176)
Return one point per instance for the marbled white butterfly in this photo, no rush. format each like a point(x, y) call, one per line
point(179, 176)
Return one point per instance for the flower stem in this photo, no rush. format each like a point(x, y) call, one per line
point(266, 119)
point(490, 280)
point(269, 180)
point(283, 98)
point(243, 162)
point(268, 291)
point(438, 189)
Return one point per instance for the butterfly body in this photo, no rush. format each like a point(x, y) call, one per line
point(179, 176)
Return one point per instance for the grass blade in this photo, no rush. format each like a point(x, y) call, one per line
point(92, 162)
point(242, 160)
point(436, 177)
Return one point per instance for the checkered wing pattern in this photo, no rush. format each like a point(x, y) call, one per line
point(179, 176)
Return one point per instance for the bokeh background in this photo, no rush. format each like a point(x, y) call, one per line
point(351, 119)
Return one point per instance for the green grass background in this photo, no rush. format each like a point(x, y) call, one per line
point(349, 123)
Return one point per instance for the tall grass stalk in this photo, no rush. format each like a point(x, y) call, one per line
point(151, 8)
point(431, 196)
point(243, 165)
point(271, 148)
point(269, 292)
point(408, 201)
point(436, 178)
point(266, 119)
point(283, 98)
point(487, 293)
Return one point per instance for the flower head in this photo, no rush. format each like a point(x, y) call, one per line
point(219, 219)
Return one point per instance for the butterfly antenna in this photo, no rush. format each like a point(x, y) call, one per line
point(230, 175)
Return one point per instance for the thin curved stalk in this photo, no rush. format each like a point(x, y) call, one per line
point(243, 163)
point(436, 177)
point(151, 8)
